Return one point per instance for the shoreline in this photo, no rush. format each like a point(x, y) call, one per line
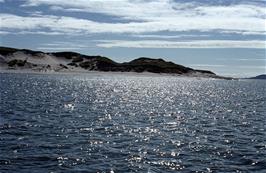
point(141, 74)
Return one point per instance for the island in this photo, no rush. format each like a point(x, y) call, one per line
point(21, 59)
point(262, 77)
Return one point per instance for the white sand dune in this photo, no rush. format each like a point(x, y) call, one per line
point(33, 61)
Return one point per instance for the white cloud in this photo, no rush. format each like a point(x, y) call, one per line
point(137, 9)
point(152, 16)
point(62, 46)
point(169, 15)
point(2, 1)
point(244, 32)
point(4, 33)
point(74, 25)
point(143, 9)
point(142, 19)
point(184, 44)
point(38, 33)
point(59, 48)
point(169, 36)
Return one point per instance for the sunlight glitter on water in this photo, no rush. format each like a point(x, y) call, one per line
point(129, 123)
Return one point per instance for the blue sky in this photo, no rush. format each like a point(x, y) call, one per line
point(225, 36)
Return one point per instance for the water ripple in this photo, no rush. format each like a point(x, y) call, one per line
point(119, 123)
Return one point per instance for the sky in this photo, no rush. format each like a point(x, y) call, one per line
point(224, 36)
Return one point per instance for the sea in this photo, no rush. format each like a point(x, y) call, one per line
point(110, 123)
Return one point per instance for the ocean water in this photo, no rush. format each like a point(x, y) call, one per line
point(126, 123)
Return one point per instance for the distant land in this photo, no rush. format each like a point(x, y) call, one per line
point(24, 59)
point(263, 76)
